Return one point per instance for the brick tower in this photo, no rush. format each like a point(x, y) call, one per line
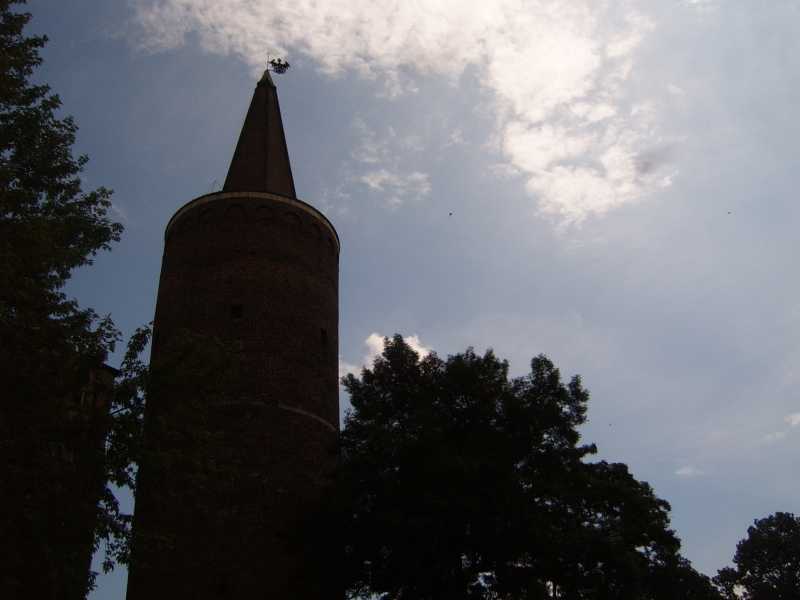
point(230, 479)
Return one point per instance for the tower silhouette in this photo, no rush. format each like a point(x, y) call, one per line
point(242, 418)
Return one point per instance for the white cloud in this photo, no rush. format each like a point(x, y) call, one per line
point(397, 187)
point(385, 175)
point(556, 72)
point(378, 179)
point(792, 419)
point(689, 471)
point(416, 346)
point(370, 149)
point(374, 346)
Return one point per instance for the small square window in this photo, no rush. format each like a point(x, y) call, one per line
point(237, 311)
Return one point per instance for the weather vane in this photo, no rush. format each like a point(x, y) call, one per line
point(277, 65)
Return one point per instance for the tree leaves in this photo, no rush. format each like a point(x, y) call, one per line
point(767, 561)
point(458, 482)
point(50, 347)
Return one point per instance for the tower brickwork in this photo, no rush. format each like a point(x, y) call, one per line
point(232, 477)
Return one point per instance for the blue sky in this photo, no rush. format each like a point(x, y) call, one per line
point(622, 178)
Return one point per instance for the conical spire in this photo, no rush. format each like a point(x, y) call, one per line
point(261, 160)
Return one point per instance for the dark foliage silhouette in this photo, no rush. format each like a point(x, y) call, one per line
point(767, 561)
point(458, 482)
point(52, 351)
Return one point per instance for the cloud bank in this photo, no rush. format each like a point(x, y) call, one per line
point(556, 73)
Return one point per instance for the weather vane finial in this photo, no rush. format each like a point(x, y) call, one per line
point(277, 65)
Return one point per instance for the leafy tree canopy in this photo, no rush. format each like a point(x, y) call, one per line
point(767, 561)
point(460, 482)
point(49, 226)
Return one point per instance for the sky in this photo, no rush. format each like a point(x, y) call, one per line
point(613, 184)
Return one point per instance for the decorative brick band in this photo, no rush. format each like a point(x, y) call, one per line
point(295, 202)
point(308, 414)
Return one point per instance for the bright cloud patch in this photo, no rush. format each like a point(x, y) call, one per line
point(688, 471)
point(374, 346)
point(793, 419)
point(397, 186)
point(556, 72)
point(416, 346)
point(380, 156)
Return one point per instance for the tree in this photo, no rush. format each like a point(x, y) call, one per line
point(458, 482)
point(51, 348)
point(48, 225)
point(767, 561)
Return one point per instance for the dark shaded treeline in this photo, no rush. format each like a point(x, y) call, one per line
point(59, 408)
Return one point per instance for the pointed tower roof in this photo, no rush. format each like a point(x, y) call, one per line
point(261, 160)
